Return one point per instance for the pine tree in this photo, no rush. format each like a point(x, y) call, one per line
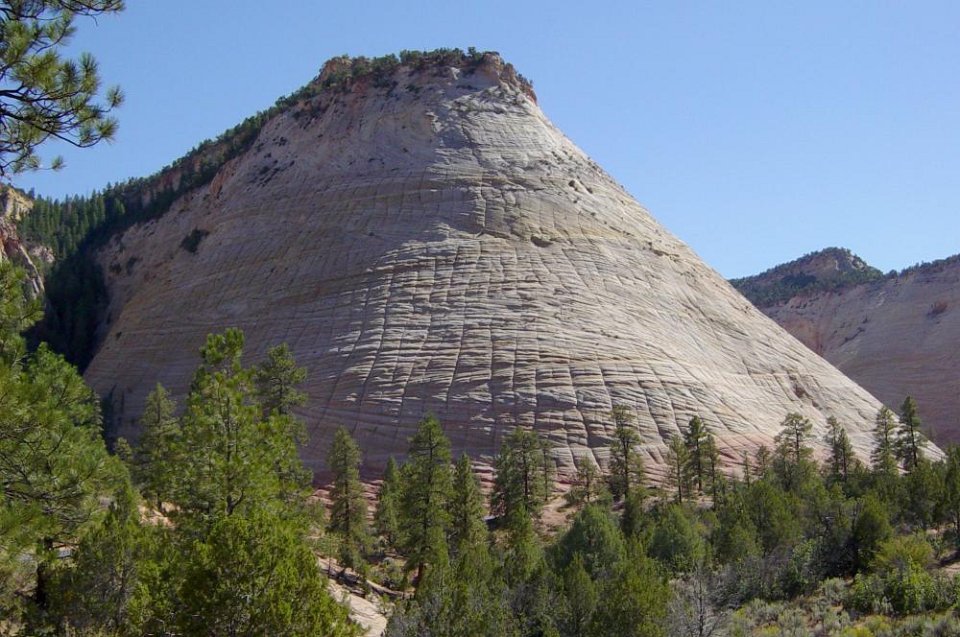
point(387, 516)
point(277, 379)
point(426, 495)
point(254, 574)
point(155, 460)
point(523, 480)
point(47, 96)
point(588, 485)
point(348, 510)
point(883, 457)
point(842, 458)
point(678, 462)
point(697, 439)
point(626, 466)
point(467, 528)
point(910, 441)
point(792, 457)
point(238, 458)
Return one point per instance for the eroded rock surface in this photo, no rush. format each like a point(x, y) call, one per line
point(898, 335)
point(433, 243)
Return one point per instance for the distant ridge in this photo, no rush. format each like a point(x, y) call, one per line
point(895, 334)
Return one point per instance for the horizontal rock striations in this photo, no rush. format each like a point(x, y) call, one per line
point(896, 335)
point(427, 241)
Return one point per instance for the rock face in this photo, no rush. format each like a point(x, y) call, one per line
point(13, 206)
point(430, 242)
point(896, 335)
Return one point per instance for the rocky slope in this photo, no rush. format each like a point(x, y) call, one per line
point(13, 206)
point(895, 335)
point(427, 241)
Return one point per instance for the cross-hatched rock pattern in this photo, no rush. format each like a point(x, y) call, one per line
point(434, 244)
point(897, 336)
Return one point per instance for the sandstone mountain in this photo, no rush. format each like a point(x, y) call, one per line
point(895, 334)
point(13, 206)
point(427, 241)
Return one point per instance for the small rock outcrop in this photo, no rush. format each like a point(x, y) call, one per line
point(427, 241)
point(896, 334)
point(13, 206)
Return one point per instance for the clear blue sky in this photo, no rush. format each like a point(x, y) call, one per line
point(755, 131)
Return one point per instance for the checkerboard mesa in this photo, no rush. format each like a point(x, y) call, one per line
point(426, 240)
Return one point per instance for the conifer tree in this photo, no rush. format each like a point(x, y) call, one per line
point(277, 380)
point(842, 458)
point(589, 485)
point(697, 440)
point(425, 498)
point(348, 511)
point(910, 440)
point(792, 457)
point(387, 515)
point(883, 457)
point(626, 466)
point(678, 461)
point(155, 459)
point(47, 96)
point(523, 479)
point(467, 528)
point(238, 458)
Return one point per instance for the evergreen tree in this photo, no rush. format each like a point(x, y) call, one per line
point(348, 510)
point(523, 480)
point(467, 528)
point(236, 454)
point(387, 516)
point(698, 442)
point(951, 490)
point(425, 498)
point(910, 441)
point(633, 603)
point(101, 592)
point(277, 379)
point(155, 460)
point(678, 462)
point(47, 96)
point(842, 458)
point(254, 574)
point(581, 597)
point(885, 476)
point(626, 466)
point(588, 485)
point(792, 457)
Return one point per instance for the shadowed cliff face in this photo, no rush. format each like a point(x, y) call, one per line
point(898, 335)
point(430, 242)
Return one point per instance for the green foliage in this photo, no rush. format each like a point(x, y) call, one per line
point(156, 457)
point(783, 282)
point(910, 440)
point(524, 476)
point(588, 485)
point(238, 458)
point(633, 603)
point(253, 574)
point(387, 515)
point(676, 541)
point(348, 510)
point(595, 539)
point(424, 513)
point(467, 528)
point(679, 479)
point(276, 380)
point(46, 95)
point(626, 467)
